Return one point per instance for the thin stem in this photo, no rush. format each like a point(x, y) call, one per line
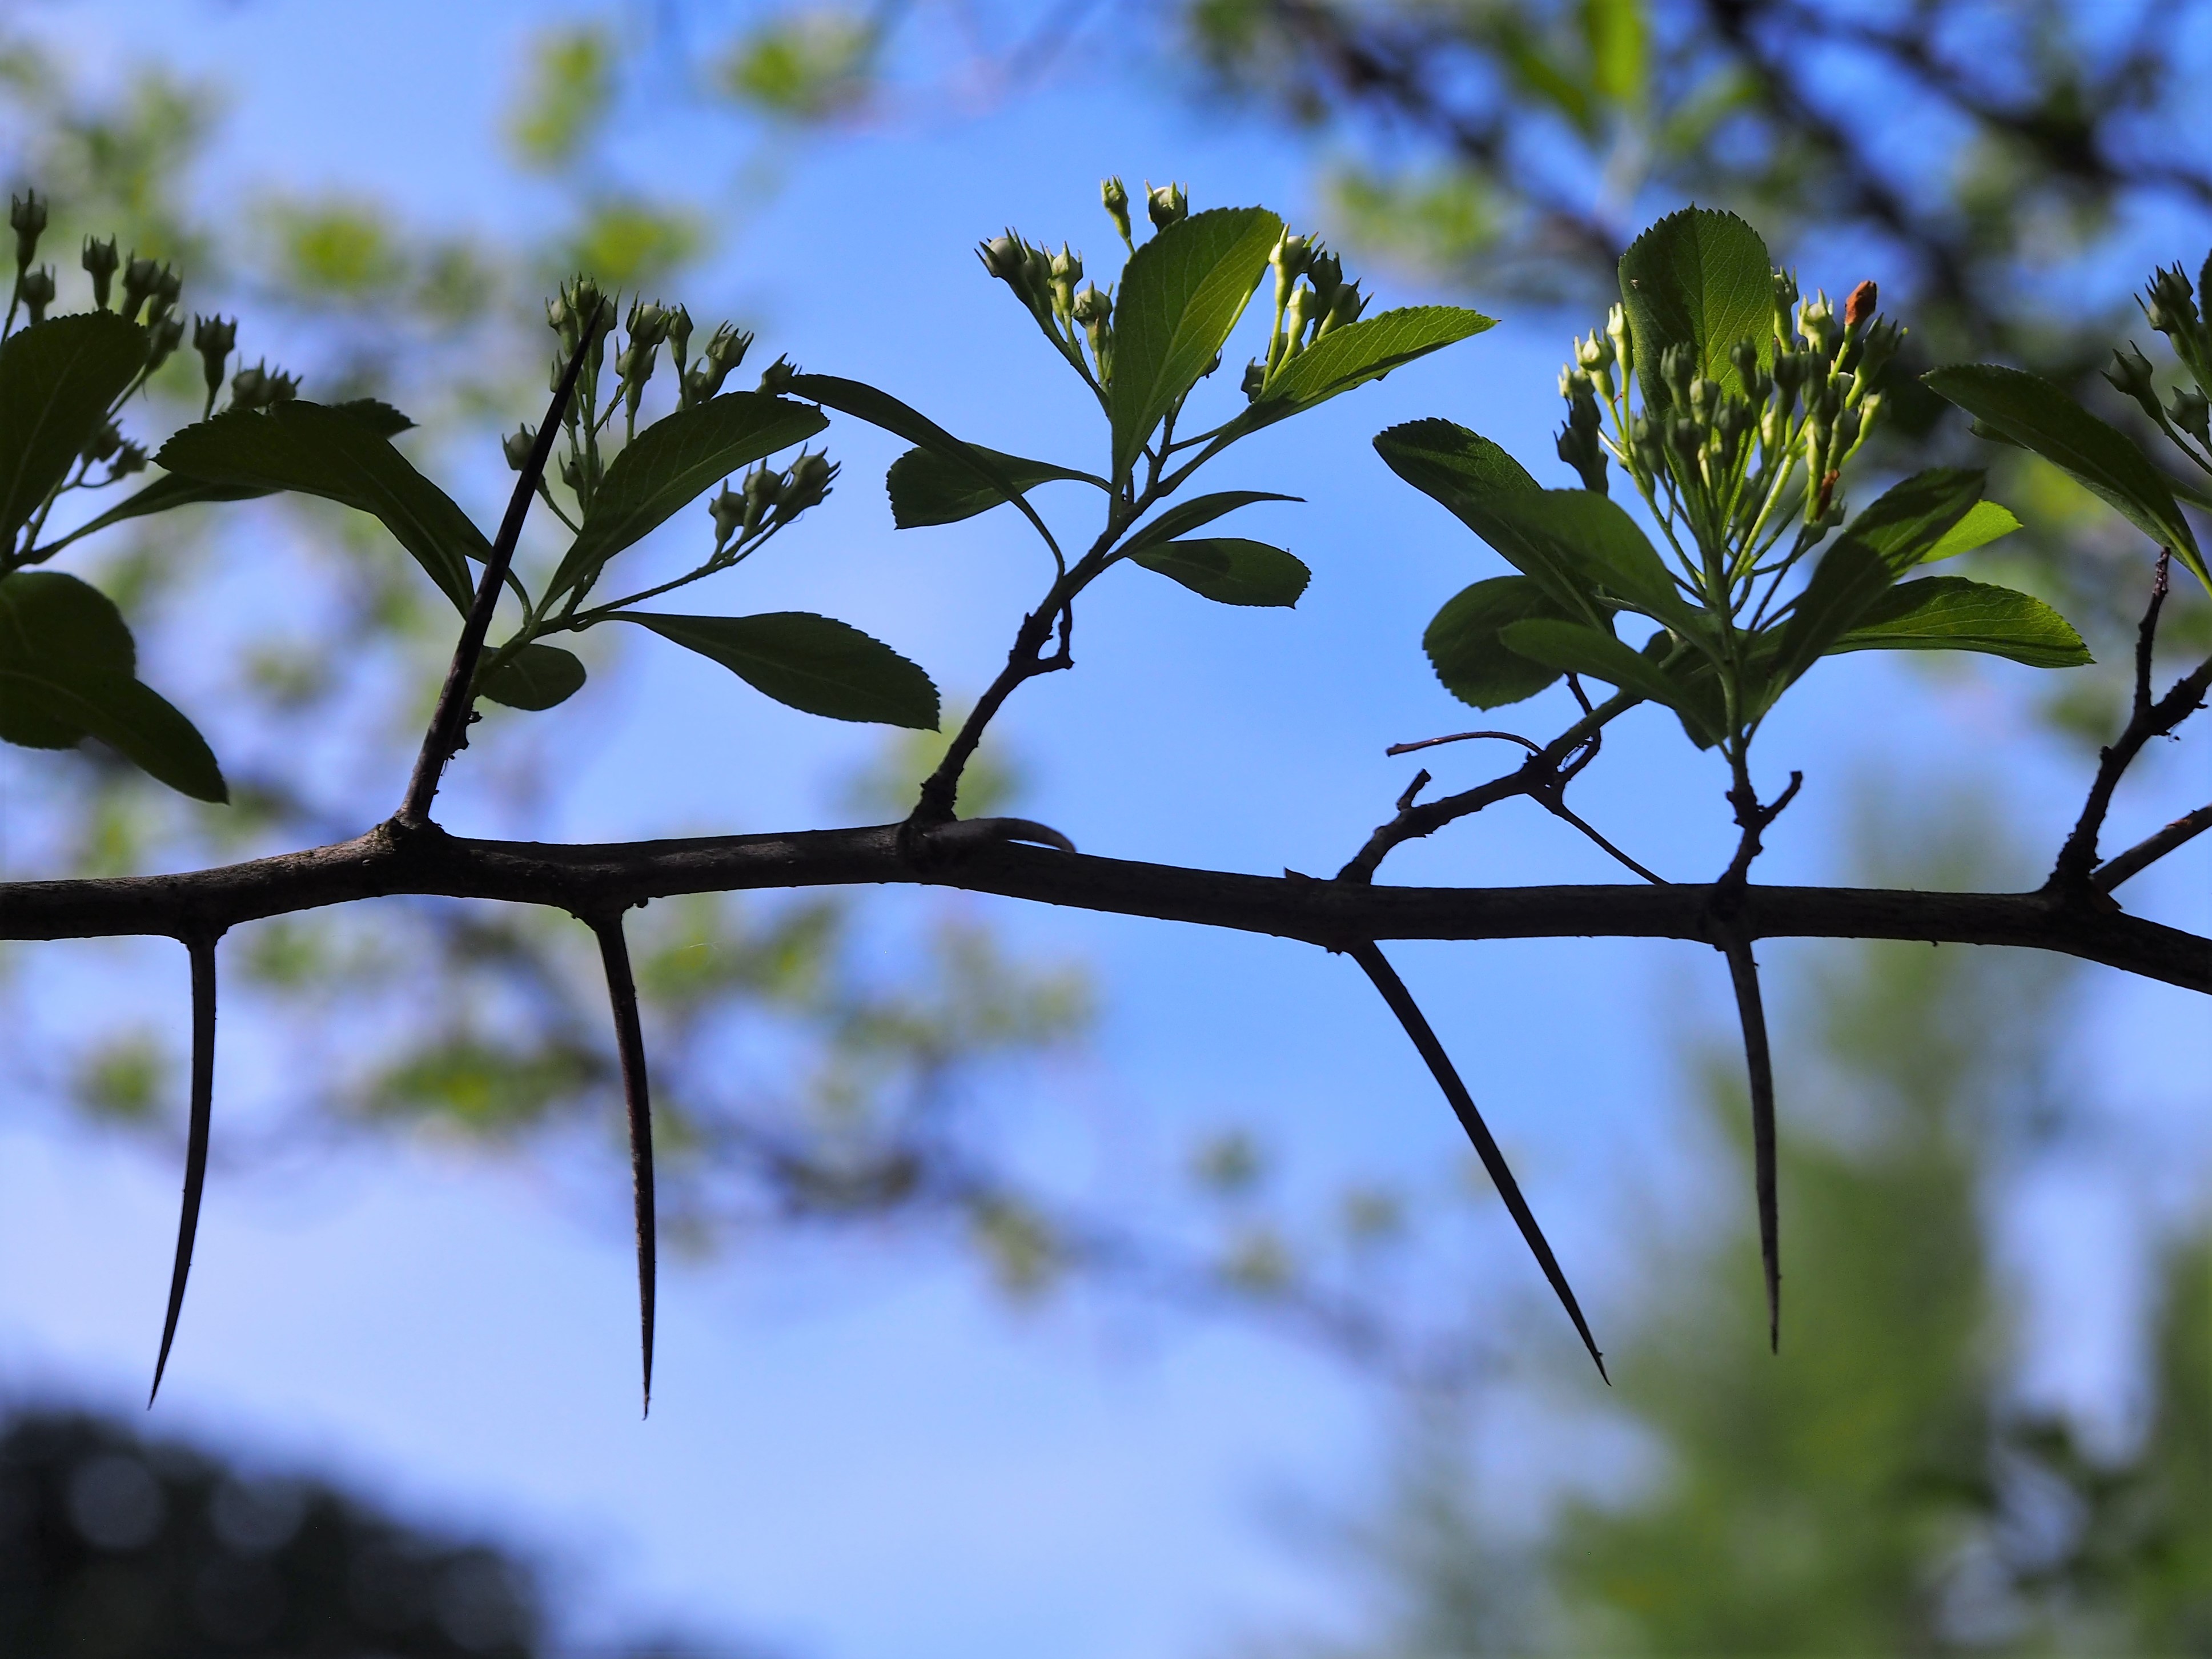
point(449, 721)
point(200, 947)
point(629, 1045)
point(1532, 746)
point(1385, 979)
point(1759, 1062)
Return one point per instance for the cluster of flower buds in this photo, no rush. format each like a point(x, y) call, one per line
point(1312, 299)
point(259, 387)
point(213, 338)
point(2170, 305)
point(769, 499)
point(108, 444)
point(150, 286)
point(1045, 283)
point(1724, 447)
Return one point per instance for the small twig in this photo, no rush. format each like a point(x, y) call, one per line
point(1754, 820)
point(2074, 871)
point(449, 721)
point(1553, 801)
point(629, 1045)
point(1377, 968)
point(200, 947)
point(1759, 1062)
point(2151, 848)
point(1397, 749)
point(1420, 782)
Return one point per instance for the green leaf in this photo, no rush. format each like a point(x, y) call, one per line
point(176, 490)
point(670, 464)
point(1851, 576)
point(1701, 279)
point(1590, 538)
point(1911, 519)
point(1189, 515)
point(1949, 613)
point(811, 663)
point(68, 669)
point(536, 676)
point(164, 493)
point(928, 488)
point(58, 380)
point(2033, 413)
point(1229, 570)
point(1475, 665)
point(322, 452)
point(1359, 352)
point(880, 409)
point(1180, 294)
point(1578, 649)
point(1474, 478)
point(1986, 521)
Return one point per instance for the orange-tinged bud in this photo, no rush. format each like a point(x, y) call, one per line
point(1861, 305)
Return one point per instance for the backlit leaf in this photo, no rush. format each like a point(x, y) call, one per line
point(536, 676)
point(928, 487)
point(58, 380)
point(1949, 613)
point(1701, 279)
point(1475, 664)
point(1180, 294)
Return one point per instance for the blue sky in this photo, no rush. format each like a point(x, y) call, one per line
point(863, 1457)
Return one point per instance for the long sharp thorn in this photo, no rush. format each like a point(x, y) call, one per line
point(629, 1043)
point(1377, 968)
point(1759, 1061)
point(202, 952)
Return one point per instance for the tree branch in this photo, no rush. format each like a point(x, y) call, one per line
point(394, 859)
point(2151, 848)
point(449, 721)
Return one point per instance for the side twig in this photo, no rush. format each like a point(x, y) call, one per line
point(1378, 970)
point(2151, 848)
point(449, 721)
point(201, 949)
point(2076, 871)
point(629, 1045)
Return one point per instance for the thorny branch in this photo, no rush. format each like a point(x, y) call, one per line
point(201, 949)
point(637, 1101)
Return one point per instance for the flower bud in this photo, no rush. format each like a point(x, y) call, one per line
point(805, 485)
point(165, 336)
point(248, 386)
point(1292, 254)
point(1875, 350)
point(129, 458)
point(167, 288)
point(516, 447)
point(2170, 305)
point(105, 440)
point(775, 380)
point(1301, 311)
point(647, 326)
point(1677, 366)
point(2131, 375)
point(1326, 273)
point(679, 339)
point(1705, 398)
point(763, 488)
point(1858, 309)
point(1115, 196)
point(2189, 408)
point(99, 259)
point(728, 512)
point(213, 338)
point(725, 350)
point(1166, 205)
point(27, 217)
point(36, 289)
point(1594, 352)
point(1036, 276)
point(1581, 451)
point(1617, 332)
point(1816, 322)
point(140, 278)
point(1345, 308)
point(1255, 377)
point(1092, 307)
point(1785, 301)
